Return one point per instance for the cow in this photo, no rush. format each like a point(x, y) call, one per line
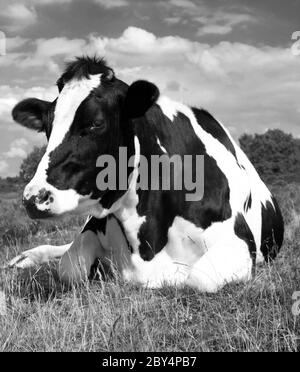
point(149, 237)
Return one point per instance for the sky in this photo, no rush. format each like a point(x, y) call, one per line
point(231, 57)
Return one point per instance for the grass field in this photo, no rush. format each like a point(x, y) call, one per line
point(116, 316)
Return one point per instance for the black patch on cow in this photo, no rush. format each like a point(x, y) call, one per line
point(161, 207)
point(242, 230)
point(213, 127)
point(272, 230)
point(140, 97)
point(95, 225)
point(248, 203)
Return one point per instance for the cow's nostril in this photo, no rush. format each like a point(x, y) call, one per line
point(44, 196)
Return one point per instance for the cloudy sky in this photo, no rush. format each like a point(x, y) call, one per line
point(232, 57)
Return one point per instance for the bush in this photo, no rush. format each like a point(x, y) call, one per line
point(30, 164)
point(275, 155)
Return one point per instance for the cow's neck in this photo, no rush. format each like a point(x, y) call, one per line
point(135, 206)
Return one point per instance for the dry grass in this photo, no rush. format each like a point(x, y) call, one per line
point(115, 316)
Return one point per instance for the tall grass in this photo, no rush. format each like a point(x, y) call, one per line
point(116, 316)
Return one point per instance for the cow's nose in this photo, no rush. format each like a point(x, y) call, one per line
point(44, 196)
point(38, 206)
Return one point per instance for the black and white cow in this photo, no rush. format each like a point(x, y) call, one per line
point(150, 237)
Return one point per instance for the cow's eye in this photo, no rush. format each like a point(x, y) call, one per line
point(98, 124)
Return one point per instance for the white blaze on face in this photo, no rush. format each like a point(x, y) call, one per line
point(69, 100)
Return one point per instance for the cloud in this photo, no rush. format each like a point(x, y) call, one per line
point(248, 86)
point(253, 86)
point(186, 4)
point(17, 149)
point(19, 15)
point(212, 20)
point(220, 22)
point(3, 166)
point(11, 95)
point(6, 104)
point(109, 4)
point(13, 43)
point(173, 20)
point(42, 53)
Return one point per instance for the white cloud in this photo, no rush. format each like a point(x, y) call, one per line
point(20, 15)
point(212, 20)
point(3, 166)
point(17, 149)
point(248, 86)
point(48, 2)
point(13, 43)
point(18, 11)
point(220, 22)
point(23, 13)
point(58, 46)
point(186, 4)
point(15, 94)
point(214, 29)
point(109, 4)
point(45, 53)
point(6, 104)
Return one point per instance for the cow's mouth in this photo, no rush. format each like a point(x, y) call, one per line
point(34, 212)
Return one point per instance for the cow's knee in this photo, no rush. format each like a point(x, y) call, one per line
point(75, 265)
point(72, 271)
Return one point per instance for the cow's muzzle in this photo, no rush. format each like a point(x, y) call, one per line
point(38, 206)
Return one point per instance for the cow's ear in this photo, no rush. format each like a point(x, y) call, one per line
point(140, 97)
point(30, 112)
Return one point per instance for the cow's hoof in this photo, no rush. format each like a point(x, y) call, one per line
point(23, 261)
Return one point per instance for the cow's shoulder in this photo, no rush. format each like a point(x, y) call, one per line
point(214, 128)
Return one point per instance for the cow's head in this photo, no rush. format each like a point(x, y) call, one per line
point(90, 117)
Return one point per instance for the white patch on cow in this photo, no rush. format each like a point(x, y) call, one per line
point(259, 192)
point(206, 260)
point(70, 98)
point(173, 263)
point(167, 106)
point(226, 261)
point(38, 256)
point(127, 206)
point(155, 273)
point(163, 149)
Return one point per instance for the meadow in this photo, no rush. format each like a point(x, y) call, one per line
point(42, 315)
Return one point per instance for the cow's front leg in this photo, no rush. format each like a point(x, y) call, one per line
point(38, 256)
point(75, 265)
